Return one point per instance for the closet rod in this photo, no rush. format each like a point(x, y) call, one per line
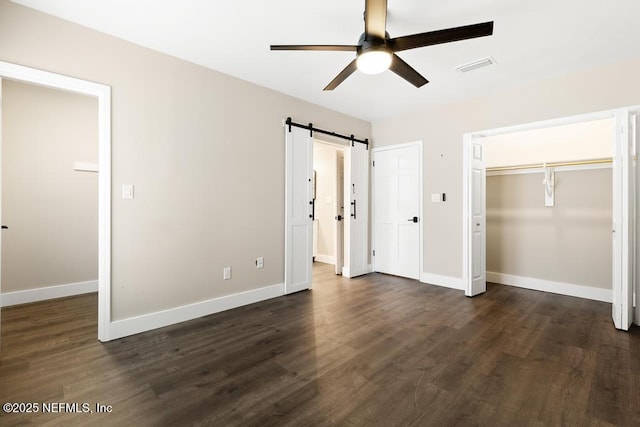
point(551, 165)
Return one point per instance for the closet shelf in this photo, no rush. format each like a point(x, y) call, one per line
point(550, 165)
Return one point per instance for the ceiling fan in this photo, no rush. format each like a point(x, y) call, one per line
point(375, 51)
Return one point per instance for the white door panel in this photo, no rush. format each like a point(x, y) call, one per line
point(475, 214)
point(298, 221)
point(356, 210)
point(623, 224)
point(396, 202)
point(339, 214)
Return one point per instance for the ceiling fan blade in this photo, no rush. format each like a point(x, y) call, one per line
point(375, 18)
point(441, 36)
point(405, 71)
point(326, 47)
point(342, 76)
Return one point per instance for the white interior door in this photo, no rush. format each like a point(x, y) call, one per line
point(623, 221)
point(298, 210)
point(357, 208)
point(396, 210)
point(339, 213)
point(475, 264)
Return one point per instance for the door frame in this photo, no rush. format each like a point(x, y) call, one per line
point(102, 92)
point(626, 238)
point(420, 146)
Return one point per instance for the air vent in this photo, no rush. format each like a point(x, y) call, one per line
point(484, 62)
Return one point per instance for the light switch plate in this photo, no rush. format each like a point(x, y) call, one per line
point(127, 191)
point(435, 197)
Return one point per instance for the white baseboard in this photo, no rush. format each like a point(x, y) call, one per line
point(327, 259)
point(48, 292)
point(444, 281)
point(588, 292)
point(159, 319)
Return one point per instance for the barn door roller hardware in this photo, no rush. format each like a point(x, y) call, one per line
point(289, 123)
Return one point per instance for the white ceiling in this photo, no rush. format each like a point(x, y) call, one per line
point(532, 40)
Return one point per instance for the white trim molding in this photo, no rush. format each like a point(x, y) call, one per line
point(569, 289)
point(443, 281)
point(159, 319)
point(48, 292)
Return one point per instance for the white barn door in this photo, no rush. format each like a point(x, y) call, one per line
point(298, 210)
point(356, 199)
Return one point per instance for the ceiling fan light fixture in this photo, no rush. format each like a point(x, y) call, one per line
point(374, 61)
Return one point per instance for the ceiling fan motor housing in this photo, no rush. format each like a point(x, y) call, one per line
point(373, 54)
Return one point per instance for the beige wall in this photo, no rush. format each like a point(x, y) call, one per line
point(51, 210)
point(442, 129)
point(568, 243)
point(204, 150)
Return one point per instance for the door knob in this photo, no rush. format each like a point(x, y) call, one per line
point(4, 227)
point(414, 219)
point(338, 218)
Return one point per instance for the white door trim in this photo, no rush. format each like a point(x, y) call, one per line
point(420, 146)
point(627, 239)
point(103, 93)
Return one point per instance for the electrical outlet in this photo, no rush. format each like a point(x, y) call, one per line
point(259, 262)
point(226, 273)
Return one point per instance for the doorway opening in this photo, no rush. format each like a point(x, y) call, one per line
point(49, 193)
point(328, 195)
point(103, 94)
point(300, 206)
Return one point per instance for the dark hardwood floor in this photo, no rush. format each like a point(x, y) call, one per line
point(376, 350)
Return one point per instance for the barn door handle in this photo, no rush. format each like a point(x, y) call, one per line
point(354, 209)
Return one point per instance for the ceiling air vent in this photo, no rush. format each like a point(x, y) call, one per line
point(474, 65)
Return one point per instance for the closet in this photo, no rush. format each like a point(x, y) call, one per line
point(549, 199)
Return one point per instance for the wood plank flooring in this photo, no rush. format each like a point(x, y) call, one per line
point(376, 351)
